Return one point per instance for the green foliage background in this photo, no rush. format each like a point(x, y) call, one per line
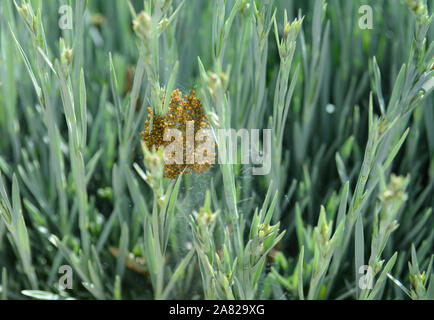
point(352, 174)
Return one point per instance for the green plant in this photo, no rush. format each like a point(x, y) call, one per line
point(352, 150)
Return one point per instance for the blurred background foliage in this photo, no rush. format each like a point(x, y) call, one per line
point(317, 161)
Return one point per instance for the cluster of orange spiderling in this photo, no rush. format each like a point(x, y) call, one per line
point(180, 111)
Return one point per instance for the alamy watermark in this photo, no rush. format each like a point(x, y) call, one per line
point(365, 21)
point(367, 18)
point(199, 148)
point(65, 281)
point(65, 21)
point(366, 281)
